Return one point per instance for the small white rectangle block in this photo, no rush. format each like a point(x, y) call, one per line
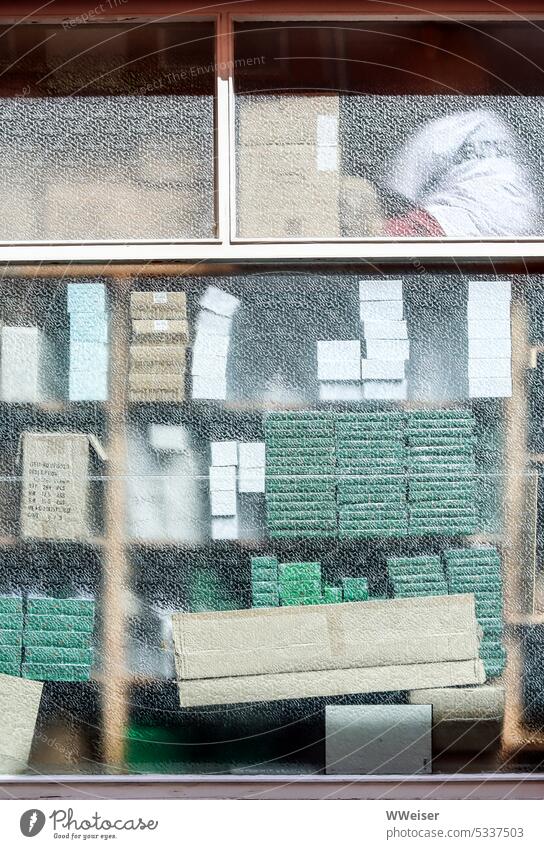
point(489, 367)
point(380, 290)
point(223, 502)
point(382, 369)
point(347, 391)
point(387, 349)
point(489, 348)
point(491, 310)
point(385, 330)
point(489, 330)
point(222, 478)
point(252, 455)
point(225, 527)
point(490, 387)
point(339, 359)
point(251, 480)
point(219, 302)
point(386, 390)
point(381, 311)
point(206, 388)
point(489, 290)
point(224, 453)
point(211, 323)
point(208, 345)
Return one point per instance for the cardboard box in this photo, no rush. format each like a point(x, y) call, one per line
point(266, 120)
point(154, 387)
point(378, 739)
point(28, 366)
point(357, 634)
point(55, 498)
point(158, 359)
point(19, 705)
point(464, 719)
point(153, 305)
point(160, 330)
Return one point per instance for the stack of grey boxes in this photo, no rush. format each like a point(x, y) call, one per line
point(385, 338)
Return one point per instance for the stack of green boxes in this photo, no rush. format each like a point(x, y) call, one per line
point(209, 589)
point(478, 571)
point(332, 595)
point(370, 454)
point(354, 589)
point(300, 583)
point(11, 634)
point(264, 582)
point(58, 638)
point(441, 472)
point(300, 475)
point(417, 576)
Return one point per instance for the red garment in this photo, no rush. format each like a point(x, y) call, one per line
point(417, 222)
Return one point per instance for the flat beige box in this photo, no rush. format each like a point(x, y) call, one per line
point(139, 382)
point(169, 305)
point(55, 501)
point(164, 396)
point(467, 719)
point(160, 330)
point(273, 119)
point(19, 705)
point(295, 652)
point(158, 359)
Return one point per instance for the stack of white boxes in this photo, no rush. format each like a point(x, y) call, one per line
point(28, 365)
point(223, 499)
point(489, 339)
point(89, 336)
point(385, 335)
point(251, 459)
point(339, 370)
point(211, 345)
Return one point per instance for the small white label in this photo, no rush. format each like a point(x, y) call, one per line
point(160, 297)
point(160, 325)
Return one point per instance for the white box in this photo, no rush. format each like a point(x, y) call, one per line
point(385, 390)
point(252, 455)
point(489, 367)
point(489, 329)
point(380, 290)
point(490, 387)
point(339, 359)
point(211, 323)
point(223, 502)
point(381, 311)
point(208, 344)
point(168, 438)
point(28, 369)
point(224, 453)
point(378, 739)
point(212, 368)
point(385, 330)
point(387, 349)
point(494, 310)
point(251, 479)
point(347, 391)
point(225, 527)
point(222, 478)
point(489, 290)
point(219, 302)
point(489, 348)
point(383, 369)
point(205, 388)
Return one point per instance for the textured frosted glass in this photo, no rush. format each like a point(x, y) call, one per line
point(106, 168)
point(360, 166)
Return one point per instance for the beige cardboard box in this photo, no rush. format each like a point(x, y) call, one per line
point(55, 485)
point(19, 705)
point(156, 387)
point(158, 359)
point(335, 682)
point(165, 396)
point(464, 720)
point(160, 330)
point(169, 305)
point(273, 119)
point(248, 655)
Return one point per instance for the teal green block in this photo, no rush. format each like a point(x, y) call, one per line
point(64, 606)
point(298, 499)
point(59, 654)
point(419, 593)
point(259, 574)
point(290, 515)
point(68, 639)
point(264, 586)
point(302, 525)
point(302, 589)
point(288, 534)
point(56, 671)
point(441, 512)
point(391, 533)
point(37, 622)
point(332, 595)
point(11, 637)
point(482, 553)
point(13, 669)
point(265, 600)
point(368, 524)
point(299, 571)
point(296, 602)
point(11, 604)
point(355, 589)
point(11, 621)
point(10, 654)
point(423, 562)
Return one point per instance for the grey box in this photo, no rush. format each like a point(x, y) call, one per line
point(378, 739)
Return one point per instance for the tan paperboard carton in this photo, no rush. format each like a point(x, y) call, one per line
point(253, 653)
point(464, 719)
point(156, 387)
point(158, 359)
point(55, 501)
point(273, 119)
point(169, 305)
point(160, 331)
point(19, 705)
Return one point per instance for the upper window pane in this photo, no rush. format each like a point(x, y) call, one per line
point(389, 130)
point(107, 132)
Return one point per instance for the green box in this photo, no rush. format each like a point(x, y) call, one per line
point(302, 525)
point(56, 671)
point(68, 639)
point(290, 534)
point(58, 654)
point(327, 514)
point(300, 589)
point(11, 621)
point(427, 562)
point(332, 595)
point(11, 637)
point(10, 669)
point(10, 654)
point(471, 553)
point(63, 606)
point(296, 602)
point(266, 600)
point(300, 571)
point(10, 604)
point(38, 622)
point(355, 589)
point(264, 587)
point(392, 533)
point(262, 573)
point(293, 484)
